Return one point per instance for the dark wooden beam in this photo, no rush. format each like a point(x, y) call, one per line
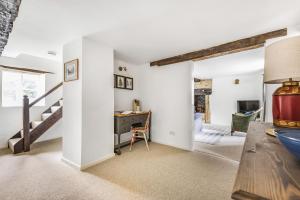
point(223, 49)
point(26, 69)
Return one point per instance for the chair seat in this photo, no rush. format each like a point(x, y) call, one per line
point(138, 129)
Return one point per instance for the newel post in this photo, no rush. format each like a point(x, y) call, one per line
point(26, 125)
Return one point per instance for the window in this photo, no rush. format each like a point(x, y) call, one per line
point(15, 85)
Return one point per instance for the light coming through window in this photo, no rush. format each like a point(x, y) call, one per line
point(15, 85)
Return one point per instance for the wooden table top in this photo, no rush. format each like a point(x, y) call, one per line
point(131, 114)
point(269, 173)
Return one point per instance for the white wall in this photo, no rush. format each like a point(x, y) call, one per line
point(225, 94)
point(88, 104)
point(97, 102)
point(11, 117)
point(72, 109)
point(123, 98)
point(167, 92)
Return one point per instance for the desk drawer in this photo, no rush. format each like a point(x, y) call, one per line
point(123, 124)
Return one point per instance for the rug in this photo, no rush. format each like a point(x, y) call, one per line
point(208, 136)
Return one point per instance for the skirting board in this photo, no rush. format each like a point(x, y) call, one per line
point(70, 163)
point(170, 145)
point(83, 167)
point(109, 156)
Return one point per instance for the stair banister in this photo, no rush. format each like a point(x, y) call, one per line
point(26, 115)
point(26, 124)
point(46, 94)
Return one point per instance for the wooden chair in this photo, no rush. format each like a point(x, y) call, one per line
point(141, 132)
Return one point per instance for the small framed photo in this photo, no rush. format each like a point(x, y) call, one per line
point(120, 82)
point(129, 83)
point(115, 81)
point(71, 70)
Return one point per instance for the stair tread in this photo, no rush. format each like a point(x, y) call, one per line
point(29, 130)
point(55, 108)
point(46, 115)
point(35, 123)
point(22, 134)
point(14, 140)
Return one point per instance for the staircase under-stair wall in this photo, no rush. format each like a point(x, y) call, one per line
point(31, 131)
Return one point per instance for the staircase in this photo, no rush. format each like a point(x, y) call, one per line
point(31, 131)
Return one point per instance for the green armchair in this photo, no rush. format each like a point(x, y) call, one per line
point(240, 122)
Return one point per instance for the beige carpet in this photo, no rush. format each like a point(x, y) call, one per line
point(164, 173)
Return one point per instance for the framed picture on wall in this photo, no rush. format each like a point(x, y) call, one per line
point(129, 83)
point(71, 70)
point(115, 81)
point(120, 82)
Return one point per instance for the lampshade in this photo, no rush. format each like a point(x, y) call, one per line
point(282, 61)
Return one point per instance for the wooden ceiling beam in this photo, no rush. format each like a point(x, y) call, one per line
point(25, 69)
point(223, 49)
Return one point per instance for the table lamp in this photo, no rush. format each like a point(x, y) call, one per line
point(282, 65)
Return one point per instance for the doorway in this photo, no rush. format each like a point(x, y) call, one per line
point(203, 90)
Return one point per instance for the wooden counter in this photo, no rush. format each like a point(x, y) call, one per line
point(267, 170)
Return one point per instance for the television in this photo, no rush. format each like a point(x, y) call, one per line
point(247, 106)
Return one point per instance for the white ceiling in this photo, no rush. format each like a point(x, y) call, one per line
point(141, 30)
point(246, 62)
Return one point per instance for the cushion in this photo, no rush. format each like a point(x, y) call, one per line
point(240, 123)
point(138, 129)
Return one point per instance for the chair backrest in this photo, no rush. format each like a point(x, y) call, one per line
point(255, 114)
point(240, 122)
point(148, 120)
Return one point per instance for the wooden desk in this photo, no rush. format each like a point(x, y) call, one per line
point(270, 172)
point(123, 123)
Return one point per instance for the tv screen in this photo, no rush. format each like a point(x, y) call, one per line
point(247, 106)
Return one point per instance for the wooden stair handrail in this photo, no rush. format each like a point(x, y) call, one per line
point(46, 94)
